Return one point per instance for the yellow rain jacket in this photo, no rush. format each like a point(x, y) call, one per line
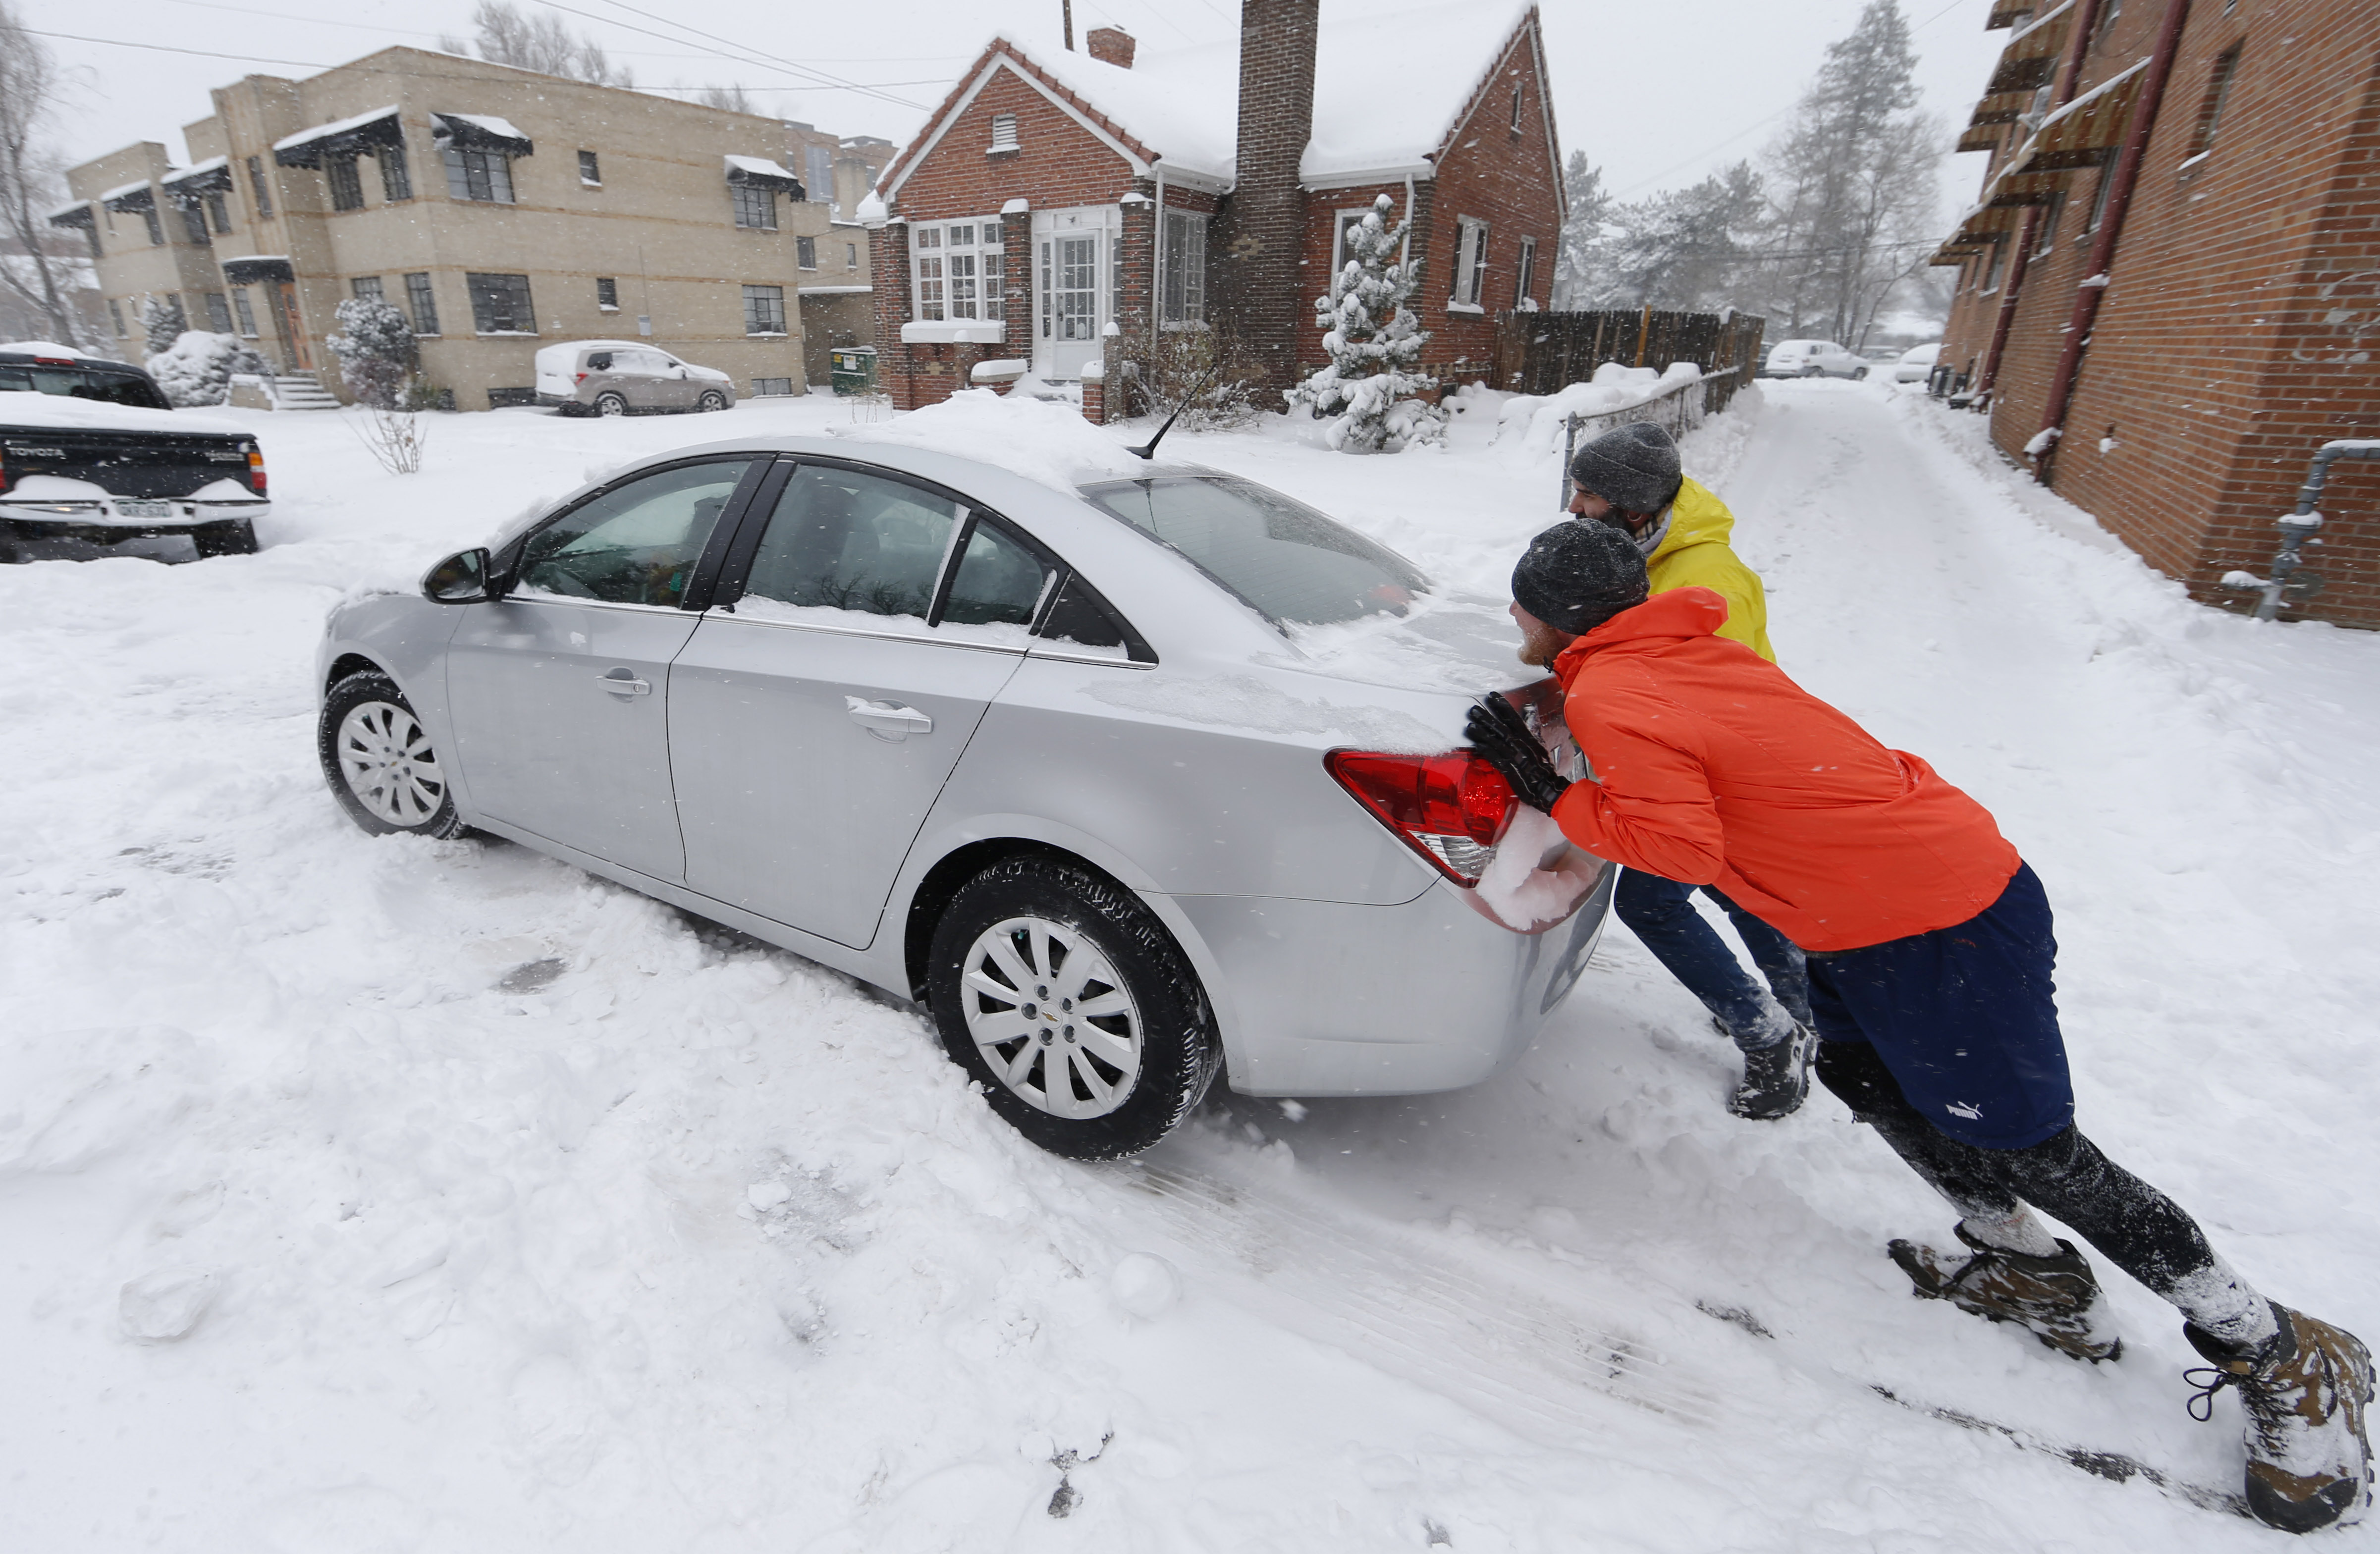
point(1696, 553)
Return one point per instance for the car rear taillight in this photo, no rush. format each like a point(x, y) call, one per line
point(579, 378)
point(256, 470)
point(1450, 808)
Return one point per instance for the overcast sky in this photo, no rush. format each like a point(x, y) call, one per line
point(1658, 92)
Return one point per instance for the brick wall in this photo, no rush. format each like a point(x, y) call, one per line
point(1253, 252)
point(2242, 313)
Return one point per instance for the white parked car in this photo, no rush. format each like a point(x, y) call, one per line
point(1812, 359)
point(1916, 364)
point(616, 377)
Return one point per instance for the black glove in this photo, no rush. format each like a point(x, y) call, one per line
point(1503, 739)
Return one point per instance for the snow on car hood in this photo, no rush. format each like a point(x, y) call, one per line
point(714, 373)
point(21, 407)
point(1043, 440)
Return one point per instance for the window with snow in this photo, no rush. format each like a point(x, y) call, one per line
point(1348, 221)
point(246, 313)
point(764, 309)
point(607, 293)
point(1004, 132)
point(367, 287)
point(851, 256)
point(806, 254)
point(219, 313)
point(2219, 94)
point(263, 189)
point(194, 223)
point(500, 304)
point(1185, 268)
point(959, 268)
point(218, 212)
point(1524, 281)
point(156, 232)
point(591, 170)
point(116, 317)
point(756, 208)
point(1470, 263)
point(484, 177)
point(1516, 108)
point(423, 302)
point(2049, 230)
point(395, 174)
point(347, 185)
point(765, 388)
point(818, 173)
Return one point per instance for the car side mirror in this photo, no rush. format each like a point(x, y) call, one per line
point(461, 578)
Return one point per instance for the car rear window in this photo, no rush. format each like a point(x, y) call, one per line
point(78, 383)
point(1286, 561)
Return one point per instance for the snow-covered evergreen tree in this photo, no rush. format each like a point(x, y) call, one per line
point(195, 369)
point(1374, 342)
point(160, 322)
point(375, 350)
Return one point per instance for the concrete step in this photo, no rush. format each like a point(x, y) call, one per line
point(302, 390)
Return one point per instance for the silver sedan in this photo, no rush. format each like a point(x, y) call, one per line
point(1124, 785)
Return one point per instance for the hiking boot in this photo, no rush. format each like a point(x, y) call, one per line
point(2057, 1299)
point(2309, 1461)
point(1776, 1077)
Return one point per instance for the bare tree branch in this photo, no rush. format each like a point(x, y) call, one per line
point(29, 185)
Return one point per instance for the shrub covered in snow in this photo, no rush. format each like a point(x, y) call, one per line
point(1374, 341)
point(160, 324)
point(196, 367)
point(375, 350)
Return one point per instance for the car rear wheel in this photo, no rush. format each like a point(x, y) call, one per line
point(1814, 371)
point(610, 405)
point(711, 400)
point(1061, 993)
point(1859, 376)
point(236, 538)
point(378, 760)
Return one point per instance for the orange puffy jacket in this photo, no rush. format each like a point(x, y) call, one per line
point(1709, 765)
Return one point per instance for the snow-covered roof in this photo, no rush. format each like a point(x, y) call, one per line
point(197, 169)
point(759, 165)
point(336, 127)
point(78, 213)
point(503, 129)
point(1384, 102)
point(136, 186)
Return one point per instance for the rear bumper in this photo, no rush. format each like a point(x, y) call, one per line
point(125, 515)
point(560, 401)
point(1329, 999)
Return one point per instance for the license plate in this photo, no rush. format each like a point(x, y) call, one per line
point(144, 509)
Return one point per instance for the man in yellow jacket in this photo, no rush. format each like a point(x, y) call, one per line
point(1630, 479)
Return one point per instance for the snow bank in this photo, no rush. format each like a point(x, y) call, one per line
point(1534, 421)
point(195, 369)
point(1044, 439)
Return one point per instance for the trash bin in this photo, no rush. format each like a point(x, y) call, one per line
point(853, 368)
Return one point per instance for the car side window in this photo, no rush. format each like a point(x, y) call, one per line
point(600, 362)
point(637, 544)
point(847, 539)
point(999, 581)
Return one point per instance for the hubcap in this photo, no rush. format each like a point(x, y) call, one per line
point(388, 764)
point(1051, 1017)
point(607, 406)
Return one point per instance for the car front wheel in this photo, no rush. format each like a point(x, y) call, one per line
point(1061, 993)
point(610, 405)
point(712, 400)
point(379, 762)
point(1859, 376)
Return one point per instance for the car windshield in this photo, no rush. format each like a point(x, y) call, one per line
point(1280, 557)
point(78, 383)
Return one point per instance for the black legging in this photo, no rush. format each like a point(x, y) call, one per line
point(2139, 1229)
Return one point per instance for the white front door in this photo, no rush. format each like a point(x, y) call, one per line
point(1072, 260)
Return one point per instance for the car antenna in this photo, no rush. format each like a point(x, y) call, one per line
point(1148, 450)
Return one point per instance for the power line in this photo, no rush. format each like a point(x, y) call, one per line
point(822, 76)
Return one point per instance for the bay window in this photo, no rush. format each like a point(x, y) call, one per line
point(959, 270)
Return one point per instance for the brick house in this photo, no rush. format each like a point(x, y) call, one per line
point(1023, 222)
point(2175, 265)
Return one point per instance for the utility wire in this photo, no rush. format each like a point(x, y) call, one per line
point(823, 77)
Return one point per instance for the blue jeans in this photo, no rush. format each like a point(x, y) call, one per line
point(1661, 913)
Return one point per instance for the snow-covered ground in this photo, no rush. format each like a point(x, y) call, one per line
point(500, 1210)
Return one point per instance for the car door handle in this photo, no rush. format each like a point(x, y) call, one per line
point(887, 720)
point(624, 682)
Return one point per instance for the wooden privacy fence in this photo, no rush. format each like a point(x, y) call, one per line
point(1545, 352)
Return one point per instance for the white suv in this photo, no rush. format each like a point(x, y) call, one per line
point(1813, 358)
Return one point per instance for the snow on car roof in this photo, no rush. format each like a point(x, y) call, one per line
point(49, 348)
point(21, 407)
point(337, 127)
point(1043, 440)
point(1184, 104)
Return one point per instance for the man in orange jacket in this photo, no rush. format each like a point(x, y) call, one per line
point(1931, 957)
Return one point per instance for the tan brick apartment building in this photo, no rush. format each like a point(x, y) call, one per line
point(2175, 265)
point(501, 210)
point(1024, 222)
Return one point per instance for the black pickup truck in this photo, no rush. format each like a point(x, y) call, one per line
point(94, 462)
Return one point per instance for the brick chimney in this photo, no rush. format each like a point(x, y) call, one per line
point(1112, 44)
point(1262, 300)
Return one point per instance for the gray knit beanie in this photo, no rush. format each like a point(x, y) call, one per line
point(1575, 576)
point(1634, 468)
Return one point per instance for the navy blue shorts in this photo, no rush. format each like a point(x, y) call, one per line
point(1964, 1017)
